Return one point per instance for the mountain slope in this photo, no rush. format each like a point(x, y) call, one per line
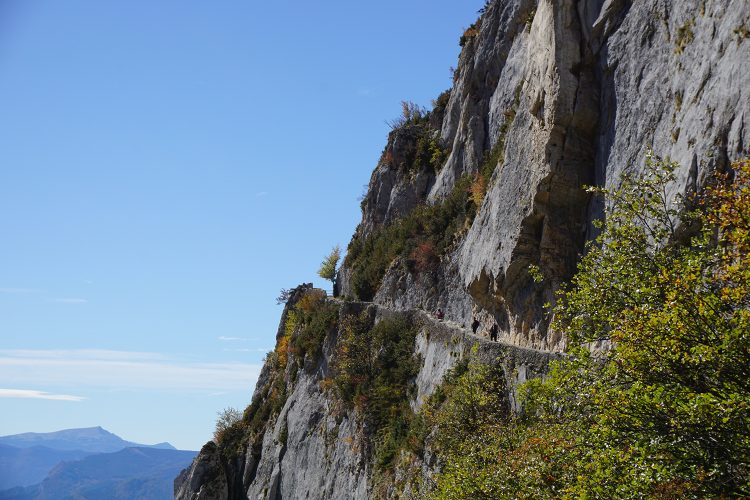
point(27, 466)
point(144, 473)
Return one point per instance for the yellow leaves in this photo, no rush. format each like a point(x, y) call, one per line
point(292, 320)
point(470, 33)
point(311, 300)
point(666, 412)
point(282, 351)
point(677, 313)
point(326, 384)
point(477, 189)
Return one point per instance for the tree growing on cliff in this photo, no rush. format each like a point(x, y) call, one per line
point(328, 269)
point(225, 419)
point(666, 411)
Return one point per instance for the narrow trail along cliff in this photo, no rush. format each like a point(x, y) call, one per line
point(458, 332)
point(316, 446)
point(466, 201)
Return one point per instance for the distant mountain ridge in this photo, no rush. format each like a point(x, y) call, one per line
point(88, 439)
point(143, 473)
point(86, 463)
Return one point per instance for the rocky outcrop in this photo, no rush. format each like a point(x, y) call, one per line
point(311, 450)
point(205, 479)
point(549, 96)
point(400, 184)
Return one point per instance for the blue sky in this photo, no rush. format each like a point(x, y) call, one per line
point(166, 167)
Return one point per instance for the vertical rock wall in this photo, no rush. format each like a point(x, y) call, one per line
point(576, 93)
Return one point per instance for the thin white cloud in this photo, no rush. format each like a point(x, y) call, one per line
point(364, 91)
point(86, 354)
point(19, 290)
point(248, 350)
point(231, 339)
point(260, 194)
point(31, 394)
point(69, 300)
point(121, 370)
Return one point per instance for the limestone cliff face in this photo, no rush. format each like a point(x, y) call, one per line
point(576, 92)
point(548, 96)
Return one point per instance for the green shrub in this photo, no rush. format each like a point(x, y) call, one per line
point(369, 258)
point(441, 102)
point(314, 317)
point(373, 371)
point(427, 152)
point(226, 418)
point(469, 414)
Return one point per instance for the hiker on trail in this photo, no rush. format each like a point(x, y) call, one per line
point(439, 314)
point(493, 332)
point(474, 325)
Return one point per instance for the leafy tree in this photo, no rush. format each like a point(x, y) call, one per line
point(673, 393)
point(654, 397)
point(327, 269)
point(226, 418)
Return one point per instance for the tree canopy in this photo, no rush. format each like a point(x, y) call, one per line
point(328, 266)
point(653, 399)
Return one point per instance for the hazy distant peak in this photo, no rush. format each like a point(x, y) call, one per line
point(89, 439)
point(164, 446)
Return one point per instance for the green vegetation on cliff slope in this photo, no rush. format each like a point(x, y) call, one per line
point(662, 411)
point(309, 318)
point(372, 374)
point(666, 411)
point(420, 239)
point(374, 369)
point(429, 231)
